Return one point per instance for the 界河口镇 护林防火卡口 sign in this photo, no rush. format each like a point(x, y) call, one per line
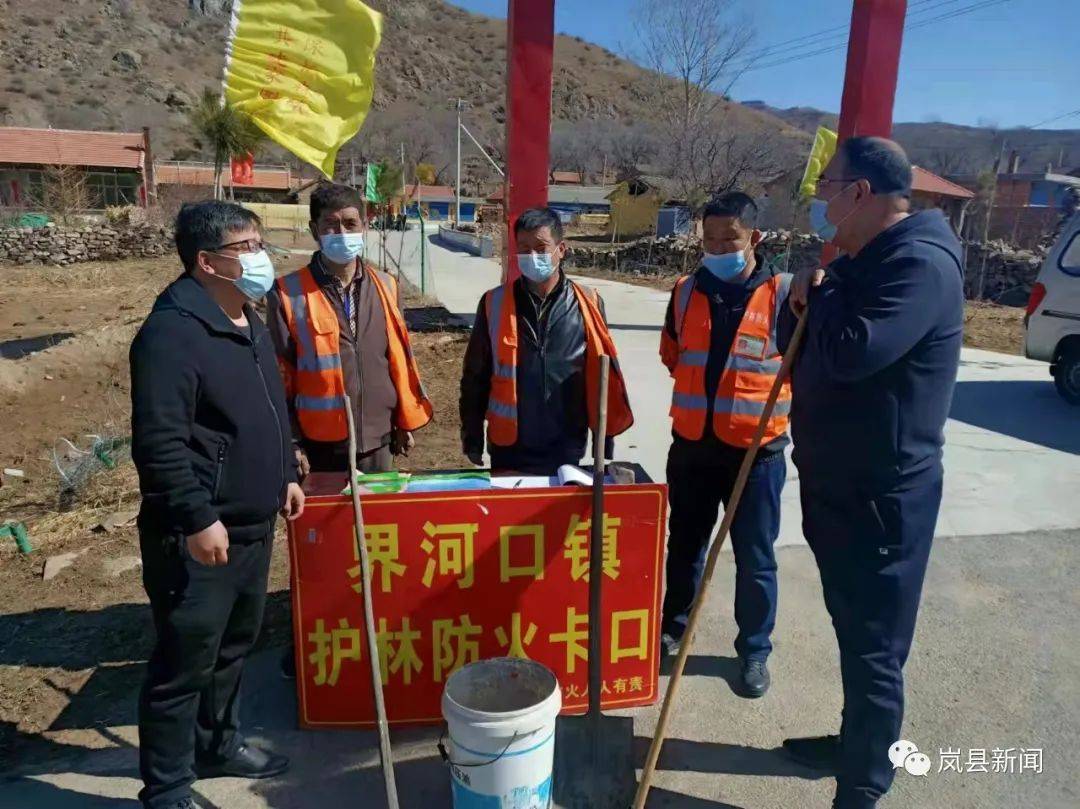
point(458, 577)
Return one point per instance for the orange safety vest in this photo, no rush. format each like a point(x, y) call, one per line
point(502, 419)
point(748, 375)
point(316, 384)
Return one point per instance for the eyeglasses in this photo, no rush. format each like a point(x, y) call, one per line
point(242, 246)
point(823, 180)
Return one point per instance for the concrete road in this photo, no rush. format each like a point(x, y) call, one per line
point(995, 662)
point(995, 665)
point(1012, 445)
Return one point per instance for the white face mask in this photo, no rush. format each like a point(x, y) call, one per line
point(341, 248)
point(537, 267)
point(257, 276)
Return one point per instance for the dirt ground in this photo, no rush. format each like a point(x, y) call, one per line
point(80, 387)
point(988, 326)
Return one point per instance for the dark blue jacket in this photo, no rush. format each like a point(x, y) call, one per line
point(872, 385)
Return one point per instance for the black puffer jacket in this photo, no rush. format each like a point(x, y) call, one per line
point(553, 421)
point(210, 429)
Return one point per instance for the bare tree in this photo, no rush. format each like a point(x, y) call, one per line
point(720, 157)
point(632, 147)
point(64, 193)
point(950, 162)
point(427, 138)
point(701, 44)
point(580, 146)
point(697, 49)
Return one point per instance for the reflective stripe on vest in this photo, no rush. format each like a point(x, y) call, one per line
point(739, 407)
point(745, 381)
point(502, 411)
point(307, 359)
point(502, 398)
point(318, 383)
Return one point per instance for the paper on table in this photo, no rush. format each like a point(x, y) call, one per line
point(522, 482)
point(571, 475)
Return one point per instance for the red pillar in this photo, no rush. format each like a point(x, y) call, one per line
point(530, 43)
point(873, 59)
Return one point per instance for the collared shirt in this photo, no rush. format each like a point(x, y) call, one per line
point(363, 350)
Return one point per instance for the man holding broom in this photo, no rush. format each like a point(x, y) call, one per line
point(872, 387)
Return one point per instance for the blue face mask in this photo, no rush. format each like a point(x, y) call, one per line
point(537, 267)
point(341, 248)
point(725, 266)
point(819, 222)
point(258, 274)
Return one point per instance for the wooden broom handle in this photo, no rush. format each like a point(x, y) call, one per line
point(714, 554)
point(385, 753)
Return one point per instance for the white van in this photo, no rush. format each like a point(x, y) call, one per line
point(1052, 322)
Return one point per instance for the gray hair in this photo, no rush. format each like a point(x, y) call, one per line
point(882, 162)
point(208, 225)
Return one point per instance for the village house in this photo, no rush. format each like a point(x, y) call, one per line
point(648, 203)
point(1027, 205)
point(266, 183)
point(112, 168)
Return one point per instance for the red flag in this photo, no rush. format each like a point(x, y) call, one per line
point(243, 170)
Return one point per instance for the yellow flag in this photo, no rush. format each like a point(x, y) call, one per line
point(304, 71)
point(820, 154)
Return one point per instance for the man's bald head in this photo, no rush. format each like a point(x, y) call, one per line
point(880, 161)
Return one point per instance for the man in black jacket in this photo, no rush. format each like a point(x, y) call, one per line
point(552, 384)
point(213, 448)
point(871, 390)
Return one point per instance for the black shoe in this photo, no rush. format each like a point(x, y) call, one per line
point(288, 664)
point(754, 679)
point(184, 803)
point(248, 761)
point(816, 752)
point(671, 644)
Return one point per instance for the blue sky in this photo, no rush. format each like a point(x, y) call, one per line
point(1012, 63)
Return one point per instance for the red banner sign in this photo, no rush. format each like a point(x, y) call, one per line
point(458, 577)
point(243, 170)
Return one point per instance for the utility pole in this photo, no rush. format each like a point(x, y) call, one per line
point(986, 224)
point(460, 105)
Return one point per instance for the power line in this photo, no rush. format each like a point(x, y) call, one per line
point(829, 33)
point(1055, 118)
point(959, 12)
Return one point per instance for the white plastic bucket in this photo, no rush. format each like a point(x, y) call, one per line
point(501, 717)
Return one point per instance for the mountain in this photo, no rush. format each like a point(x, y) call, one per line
point(955, 149)
point(124, 64)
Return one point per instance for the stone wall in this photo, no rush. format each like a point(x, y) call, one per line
point(669, 255)
point(1010, 272)
point(59, 245)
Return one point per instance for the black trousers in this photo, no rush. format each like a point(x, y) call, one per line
point(207, 620)
point(872, 553)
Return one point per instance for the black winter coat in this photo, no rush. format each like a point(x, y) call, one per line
point(210, 429)
point(553, 420)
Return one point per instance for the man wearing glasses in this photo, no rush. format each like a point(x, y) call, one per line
point(871, 389)
point(212, 445)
